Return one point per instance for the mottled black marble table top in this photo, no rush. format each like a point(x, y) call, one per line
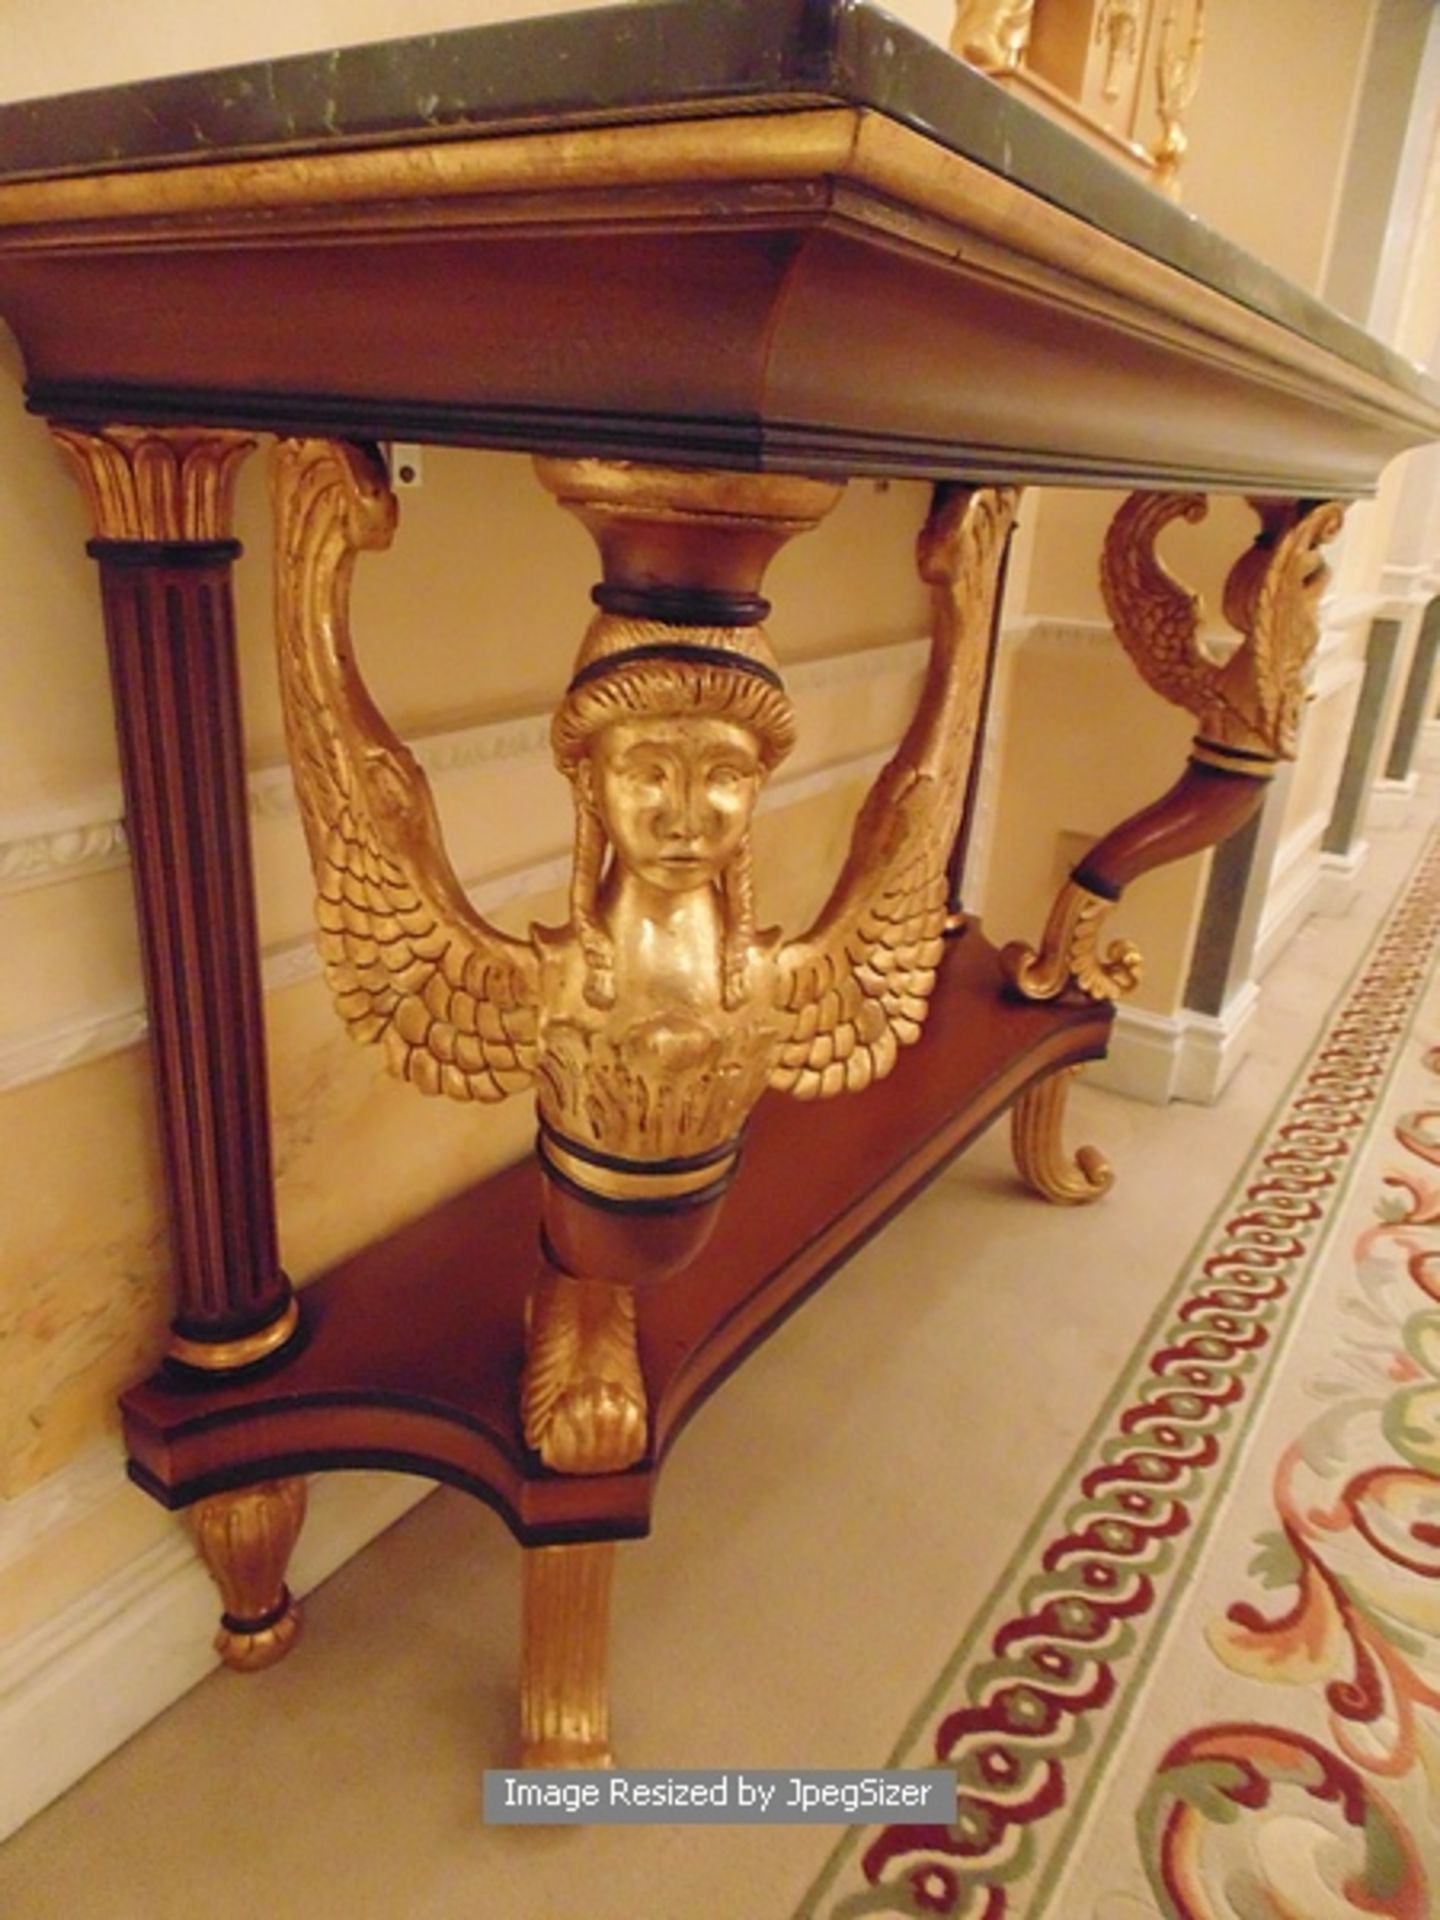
point(652, 59)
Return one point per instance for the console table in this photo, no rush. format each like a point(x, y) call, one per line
point(706, 259)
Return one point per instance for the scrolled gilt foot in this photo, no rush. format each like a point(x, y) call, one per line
point(246, 1539)
point(583, 1395)
point(565, 1656)
point(1070, 951)
point(1036, 1128)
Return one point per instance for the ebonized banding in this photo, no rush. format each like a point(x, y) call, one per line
point(615, 1203)
point(1085, 876)
point(618, 1163)
point(262, 1622)
point(163, 553)
point(682, 606)
point(681, 653)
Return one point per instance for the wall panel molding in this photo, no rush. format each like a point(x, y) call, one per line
point(39, 846)
point(70, 843)
point(1298, 887)
point(62, 1500)
point(33, 1056)
point(1392, 802)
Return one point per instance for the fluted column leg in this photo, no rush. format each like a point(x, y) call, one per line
point(161, 503)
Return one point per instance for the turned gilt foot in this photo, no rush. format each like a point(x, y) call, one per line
point(246, 1539)
point(1037, 1123)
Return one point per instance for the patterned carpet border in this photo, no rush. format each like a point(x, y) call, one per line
point(1026, 1718)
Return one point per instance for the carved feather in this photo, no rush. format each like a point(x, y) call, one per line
point(1156, 618)
point(450, 999)
point(855, 988)
point(1284, 622)
point(1251, 699)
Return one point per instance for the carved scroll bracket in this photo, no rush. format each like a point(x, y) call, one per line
point(1069, 952)
point(1036, 1129)
point(1247, 701)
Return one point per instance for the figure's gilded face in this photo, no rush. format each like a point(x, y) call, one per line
point(675, 796)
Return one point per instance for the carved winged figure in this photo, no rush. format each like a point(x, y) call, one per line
point(1247, 701)
point(653, 1019)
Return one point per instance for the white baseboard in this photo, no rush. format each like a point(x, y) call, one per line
point(1392, 802)
point(1338, 886)
point(1214, 1045)
point(1180, 1056)
point(81, 1684)
point(1294, 895)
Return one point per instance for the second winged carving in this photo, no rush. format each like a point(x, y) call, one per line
point(1248, 701)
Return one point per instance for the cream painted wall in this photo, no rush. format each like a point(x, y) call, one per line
point(56, 737)
point(144, 38)
point(1389, 96)
point(1270, 127)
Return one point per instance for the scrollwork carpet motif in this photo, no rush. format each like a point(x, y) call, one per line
point(1322, 1806)
point(1351, 1621)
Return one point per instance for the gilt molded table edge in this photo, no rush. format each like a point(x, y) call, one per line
point(816, 174)
point(655, 60)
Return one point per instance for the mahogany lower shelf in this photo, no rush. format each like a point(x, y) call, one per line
point(414, 1355)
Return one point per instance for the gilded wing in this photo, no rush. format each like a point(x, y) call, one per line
point(1273, 597)
point(411, 965)
point(854, 989)
point(1156, 619)
point(1250, 700)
